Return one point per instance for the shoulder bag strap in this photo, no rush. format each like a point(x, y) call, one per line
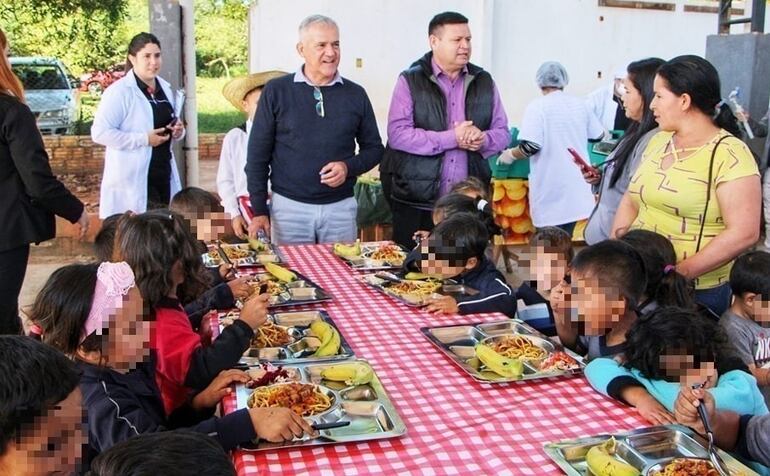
point(708, 190)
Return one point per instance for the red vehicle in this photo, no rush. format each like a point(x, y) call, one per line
point(97, 81)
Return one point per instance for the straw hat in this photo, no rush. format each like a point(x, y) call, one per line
point(237, 89)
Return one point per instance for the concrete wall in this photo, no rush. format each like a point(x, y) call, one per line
point(511, 38)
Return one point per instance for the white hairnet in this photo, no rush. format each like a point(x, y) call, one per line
point(551, 74)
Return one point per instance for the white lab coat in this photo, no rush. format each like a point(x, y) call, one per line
point(558, 194)
point(121, 123)
point(600, 102)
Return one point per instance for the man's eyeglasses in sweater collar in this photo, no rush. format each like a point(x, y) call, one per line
point(319, 106)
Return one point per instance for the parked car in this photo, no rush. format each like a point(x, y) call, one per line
point(97, 81)
point(51, 91)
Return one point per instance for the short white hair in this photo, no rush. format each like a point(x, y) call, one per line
point(313, 20)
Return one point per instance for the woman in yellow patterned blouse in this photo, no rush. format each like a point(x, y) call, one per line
point(671, 188)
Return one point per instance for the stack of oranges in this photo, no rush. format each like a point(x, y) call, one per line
point(511, 209)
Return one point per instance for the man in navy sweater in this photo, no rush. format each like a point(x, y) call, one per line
point(304, 140)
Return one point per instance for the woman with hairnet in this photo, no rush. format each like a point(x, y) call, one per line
point(558, 195)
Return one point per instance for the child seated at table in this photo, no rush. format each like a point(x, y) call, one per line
point(219, 296)
point(674, 347)
point(453, 203)
point(40, 404)
point(747, 321)
point(607, 281)
point(548, 259)
point(472, 187)
point(665, 286)
point(747, 435)
point(455, 249)
point(104, 241)
point(177, 452)
point(204, 213)
point(158, 247)
point(97, 316)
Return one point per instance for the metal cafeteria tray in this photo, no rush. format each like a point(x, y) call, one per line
point(459, 340)
point(367, 407)
point(297, 292)
point(270, 254)
point(302, 346)
point(364, 261)
point(647, 449)
point(449, 288)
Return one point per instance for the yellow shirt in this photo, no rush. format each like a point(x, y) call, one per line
point(671, 201)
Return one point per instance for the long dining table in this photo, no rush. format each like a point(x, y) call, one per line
point(455, 425)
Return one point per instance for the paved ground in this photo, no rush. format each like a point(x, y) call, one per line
point(43, 262)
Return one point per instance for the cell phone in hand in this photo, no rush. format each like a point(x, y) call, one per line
point(262, 288)
point(580, 162)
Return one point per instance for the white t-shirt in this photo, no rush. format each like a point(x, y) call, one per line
point(231, 177)
point(557, 192)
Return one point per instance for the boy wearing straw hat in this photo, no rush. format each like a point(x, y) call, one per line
point(243, 93)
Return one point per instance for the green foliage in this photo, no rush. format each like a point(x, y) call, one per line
point(94, 34)
point(83, 33)
point(221, 29)
point(215, 113)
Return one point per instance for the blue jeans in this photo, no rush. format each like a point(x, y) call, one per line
point(294, 222)
point(716, 299)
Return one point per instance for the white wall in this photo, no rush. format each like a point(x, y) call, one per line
point(511, 38)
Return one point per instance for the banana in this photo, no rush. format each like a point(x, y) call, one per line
point(330, 338)
point(280, 272)
point(418, 276)
point(602, 462)
point(332, 347)
point(502, 366)
point(348, 250)
point(357, 373)
point(257, 245)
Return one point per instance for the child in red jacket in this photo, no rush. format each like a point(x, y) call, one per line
point(163, 255)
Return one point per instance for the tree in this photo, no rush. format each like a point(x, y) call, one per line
point(83, 33)
point(221, 35)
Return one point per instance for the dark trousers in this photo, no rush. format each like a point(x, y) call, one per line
point(568, 227)
point(13, 267)
point(717, 299)
point(407, 220)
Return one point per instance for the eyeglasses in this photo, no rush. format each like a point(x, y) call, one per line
point(319, 106)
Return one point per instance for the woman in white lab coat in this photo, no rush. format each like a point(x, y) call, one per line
point(136, 123)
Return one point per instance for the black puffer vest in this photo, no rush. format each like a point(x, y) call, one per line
point(415, 179)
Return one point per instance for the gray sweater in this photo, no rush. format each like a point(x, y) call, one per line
point(600, 222)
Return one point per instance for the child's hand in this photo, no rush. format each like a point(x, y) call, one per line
point(420, 235)
point(442, 305)
point(686, 407)
point(226, 271)
point(254, 312)
point(559, 298)
point(279, 424)
point(651, 410)
point(240, 287)
point(219, 388)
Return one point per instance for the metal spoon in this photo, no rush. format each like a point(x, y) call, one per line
point(714, 457)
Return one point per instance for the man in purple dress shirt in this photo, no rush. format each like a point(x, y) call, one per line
point(445, 119)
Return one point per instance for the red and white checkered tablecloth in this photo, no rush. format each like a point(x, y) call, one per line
point(454, 424)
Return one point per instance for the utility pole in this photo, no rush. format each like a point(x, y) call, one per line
point(173, 22)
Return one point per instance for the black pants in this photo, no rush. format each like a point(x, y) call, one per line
point(13, 267)
point(159, 184)
point(407, 220)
